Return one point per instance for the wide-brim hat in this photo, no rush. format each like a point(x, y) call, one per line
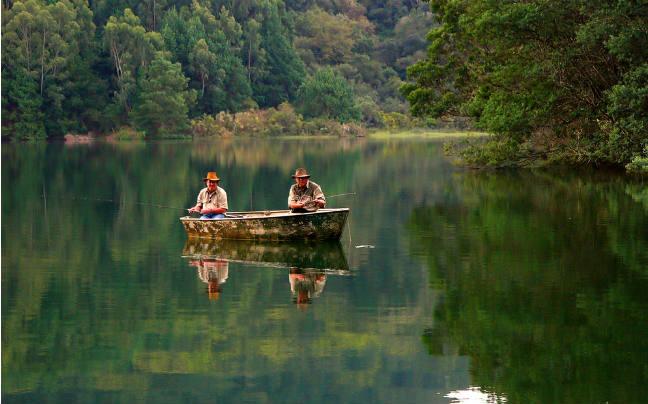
point(301, 173)
point(211, 176)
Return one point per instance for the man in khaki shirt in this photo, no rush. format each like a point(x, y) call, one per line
point(212, 200)
point(305, 195)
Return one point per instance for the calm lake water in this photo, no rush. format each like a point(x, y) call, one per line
point(516, 286)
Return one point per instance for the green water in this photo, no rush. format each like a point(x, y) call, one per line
point(524, 286)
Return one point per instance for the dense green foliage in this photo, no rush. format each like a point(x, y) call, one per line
point(556, 79)
point(163, 99)
point(328, 95)
point(73, 66)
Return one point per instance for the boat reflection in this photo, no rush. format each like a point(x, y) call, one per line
point(326, 256)
point(308, 263)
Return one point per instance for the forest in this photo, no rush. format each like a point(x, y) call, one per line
point(553, 81)
point(74, 66)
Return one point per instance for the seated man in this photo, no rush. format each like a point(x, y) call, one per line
point(305, 195)
point(212, 200)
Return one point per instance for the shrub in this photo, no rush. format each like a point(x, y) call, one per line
point(252, 122)
point(270, 122)
point(639, 164)
point(127, 133)
point(322, 126)
point(396, 120)
point(207, 125)
point(371, 114)
point(353, 129)
point(496, 152)
point(284, 121)
point(628, 108)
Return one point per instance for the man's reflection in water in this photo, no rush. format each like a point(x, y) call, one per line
point(214, 273)
point(304, 286)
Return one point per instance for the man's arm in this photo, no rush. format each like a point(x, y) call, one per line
point(293, 202)
point(212, 211)
point(198, 206)
point(318, 197)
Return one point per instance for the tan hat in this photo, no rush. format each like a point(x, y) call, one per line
point(301, 173)
point(211, 176)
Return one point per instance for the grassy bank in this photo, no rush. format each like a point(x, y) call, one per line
point(425, 133)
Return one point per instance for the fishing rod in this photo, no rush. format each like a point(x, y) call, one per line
point(333, 196)
point(120, 202)
point(155, 205)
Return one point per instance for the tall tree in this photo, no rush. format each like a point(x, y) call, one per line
point(86, 92)
point(151, 12)
point(231, 28)
point(22, 118)
point(328, 95)
point(180, 31)
point(131, 48)
point(327, 39)
point(41, 40)
point(201, 60)
point(163, 100)
point(285, 71)
point(197, 40)
point(254, 55)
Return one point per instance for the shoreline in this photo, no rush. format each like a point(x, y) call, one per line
point(379, 134)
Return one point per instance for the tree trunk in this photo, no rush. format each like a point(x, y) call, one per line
point(249, 66)
point(42, 75)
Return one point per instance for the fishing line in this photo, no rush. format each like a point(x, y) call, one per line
point(120, 202)
point(333, 196)
point(155, 205)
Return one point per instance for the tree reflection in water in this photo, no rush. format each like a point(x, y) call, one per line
point(543, 286)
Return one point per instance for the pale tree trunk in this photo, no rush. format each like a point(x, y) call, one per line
point(42, 75)
point(249, 67)
point(115, 53)
point(154, 15)
point(27, 34)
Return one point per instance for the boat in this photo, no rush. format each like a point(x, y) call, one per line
point(270, 225)
point(324, 255)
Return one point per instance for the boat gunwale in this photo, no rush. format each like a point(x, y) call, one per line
point(279, 265)
point(273, 214)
